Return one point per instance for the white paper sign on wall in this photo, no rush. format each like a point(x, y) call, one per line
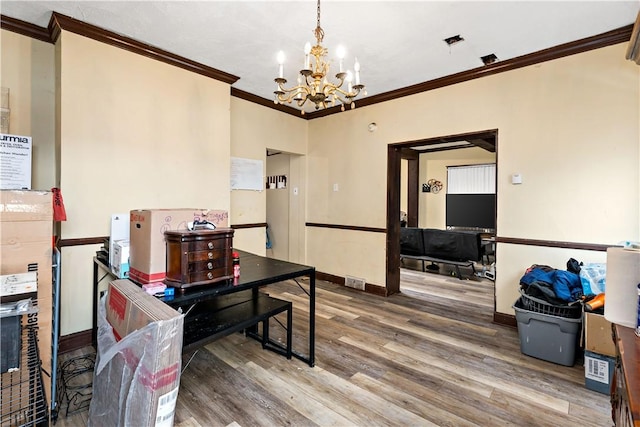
point(247, 174)
point(15, 162)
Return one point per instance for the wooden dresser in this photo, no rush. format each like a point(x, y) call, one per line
point(625, 386)
point(199, 257)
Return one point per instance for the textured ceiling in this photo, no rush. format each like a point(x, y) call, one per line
point(398, 43)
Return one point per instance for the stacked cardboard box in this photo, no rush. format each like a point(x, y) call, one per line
point(129, 308)
point(139, 359)
point(147, 257)
point(26, 224)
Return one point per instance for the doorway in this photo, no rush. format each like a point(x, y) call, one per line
point(486, 140)
point(277, 205)
point(285, 201)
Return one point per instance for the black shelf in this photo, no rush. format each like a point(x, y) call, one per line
point(231, 314)
point(256, 271)
point(22, 398)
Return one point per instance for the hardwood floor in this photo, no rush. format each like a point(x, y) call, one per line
point(429, 356)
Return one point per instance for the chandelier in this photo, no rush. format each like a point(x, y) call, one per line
point(313, 82)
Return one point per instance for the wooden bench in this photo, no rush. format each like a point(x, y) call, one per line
point(242, 311)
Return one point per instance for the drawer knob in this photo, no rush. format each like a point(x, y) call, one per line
point(210, 255)
point(210, 266)
point(210, 275)
point(210, 245)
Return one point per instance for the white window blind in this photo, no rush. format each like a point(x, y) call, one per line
point(472, 179)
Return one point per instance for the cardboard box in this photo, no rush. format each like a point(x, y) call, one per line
point(129, 308)
point(26, 221)
point(26, 205)
point(26, 224)
point(598, 372)
point(598, 335)
point(139, 375)
point(120, 263)
point(147, 260)
point(119, 231)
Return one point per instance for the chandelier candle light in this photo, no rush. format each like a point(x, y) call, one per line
point(313, 84)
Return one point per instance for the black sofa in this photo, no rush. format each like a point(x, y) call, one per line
point(457, 248)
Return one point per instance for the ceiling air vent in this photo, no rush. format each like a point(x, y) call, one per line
point(453, 40)
point(489, 59)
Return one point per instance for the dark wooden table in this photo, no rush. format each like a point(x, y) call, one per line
point(626, 400)
point(255, 272)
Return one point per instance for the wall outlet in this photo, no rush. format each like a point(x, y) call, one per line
point(354, 282)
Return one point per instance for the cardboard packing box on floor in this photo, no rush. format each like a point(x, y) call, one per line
point(598, 335)
point(137, 371)
point(599, 353)
point(598, 371)
point(147, 257)
point(26, 233)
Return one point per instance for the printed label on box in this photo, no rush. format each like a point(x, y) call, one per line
point(596, 369)
point(12, 284)
point(166, 408)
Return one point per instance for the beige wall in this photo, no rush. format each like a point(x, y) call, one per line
point(27, 70)
point(138, 133)
point(254, 129)
point(569, 126)
point(135, 133)
point(342, 151)
point(432, 207)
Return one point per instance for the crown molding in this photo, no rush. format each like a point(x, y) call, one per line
point(238, 93)
point(25, 28)
point(60, 22)
point(609, 38)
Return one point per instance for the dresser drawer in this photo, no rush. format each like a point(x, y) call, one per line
point(206, 255)
point(209, 265)
point(209, 244)
point(215, 275)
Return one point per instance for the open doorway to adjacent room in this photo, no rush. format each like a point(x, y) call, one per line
point(414, 168)
point(284, 238)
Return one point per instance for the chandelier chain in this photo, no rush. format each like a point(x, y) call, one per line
point(319, 32)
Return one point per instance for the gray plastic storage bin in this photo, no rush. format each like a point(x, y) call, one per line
point(547, 337)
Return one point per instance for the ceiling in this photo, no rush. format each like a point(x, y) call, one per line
point(398, 43)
